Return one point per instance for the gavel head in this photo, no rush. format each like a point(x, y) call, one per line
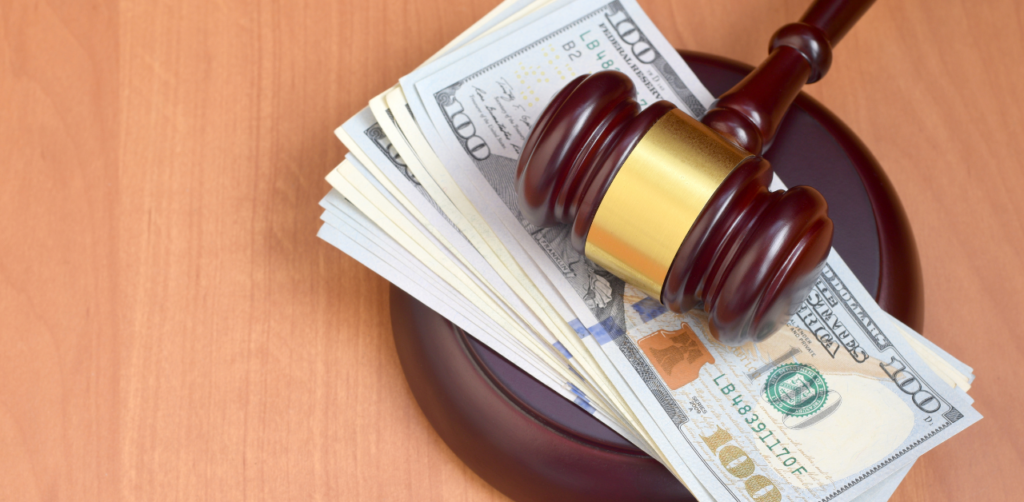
point(673, 208)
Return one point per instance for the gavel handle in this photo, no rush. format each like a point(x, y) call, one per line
point(749, 114)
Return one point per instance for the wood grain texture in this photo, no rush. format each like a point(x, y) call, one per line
point(171, 328)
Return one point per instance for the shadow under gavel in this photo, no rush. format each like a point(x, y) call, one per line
point(681, 209)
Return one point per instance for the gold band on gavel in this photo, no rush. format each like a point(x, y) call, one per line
point(656, 196)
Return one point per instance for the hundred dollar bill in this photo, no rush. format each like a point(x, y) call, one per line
point(875, 492)
point(476, 112)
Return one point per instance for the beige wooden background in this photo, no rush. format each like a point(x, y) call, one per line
point(171, 328)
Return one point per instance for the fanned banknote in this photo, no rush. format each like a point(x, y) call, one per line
point(835, 406)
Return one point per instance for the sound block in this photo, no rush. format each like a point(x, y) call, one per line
point(531, 443)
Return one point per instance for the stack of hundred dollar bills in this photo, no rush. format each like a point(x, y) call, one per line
point(835, 406)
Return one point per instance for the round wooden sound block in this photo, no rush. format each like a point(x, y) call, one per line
point(532, 444)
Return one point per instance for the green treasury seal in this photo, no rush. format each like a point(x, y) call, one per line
point(796, 389)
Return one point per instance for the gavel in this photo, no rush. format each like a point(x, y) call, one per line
point(681, 208)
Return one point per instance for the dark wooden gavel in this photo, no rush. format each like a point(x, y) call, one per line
point(679, 208)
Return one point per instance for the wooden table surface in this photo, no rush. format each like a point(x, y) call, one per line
point(172, 329)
